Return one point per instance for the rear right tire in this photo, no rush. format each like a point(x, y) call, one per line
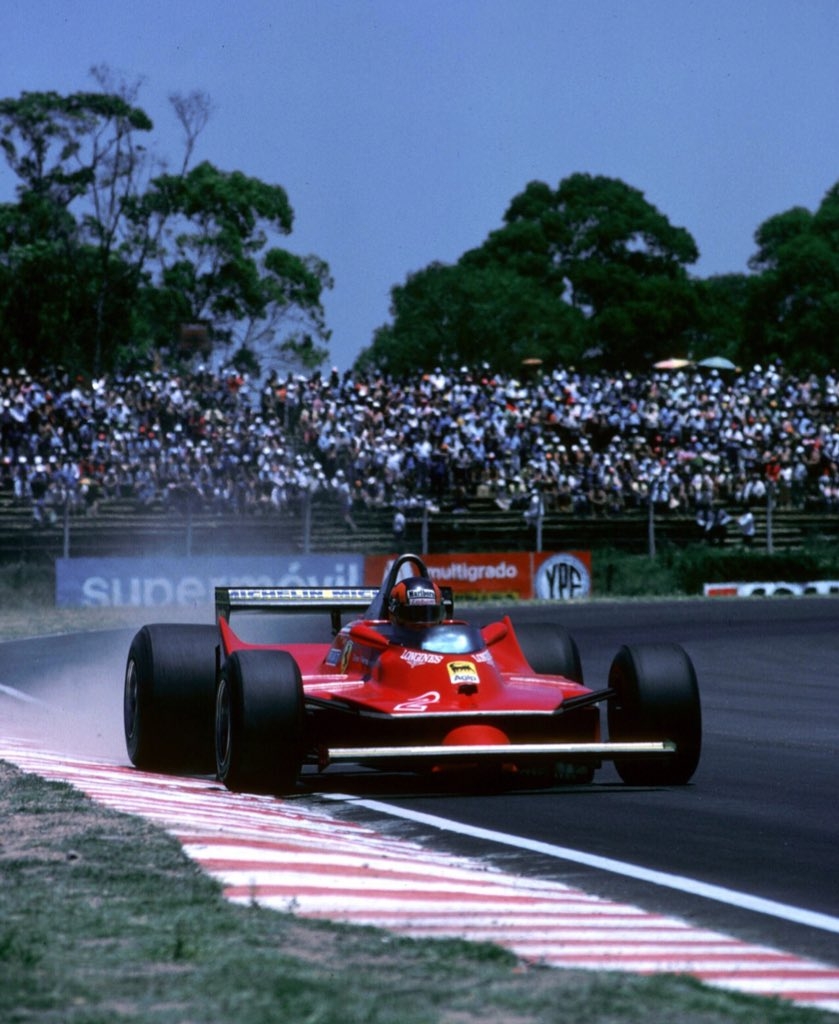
point(169, 698)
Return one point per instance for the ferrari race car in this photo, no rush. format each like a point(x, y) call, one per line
point(403, 685)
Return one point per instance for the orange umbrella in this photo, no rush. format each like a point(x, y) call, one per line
point(672, 364)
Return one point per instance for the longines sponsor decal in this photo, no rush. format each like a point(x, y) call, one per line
point(415, 658)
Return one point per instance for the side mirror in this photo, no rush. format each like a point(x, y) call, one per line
point(494, 632)
point(361, 633)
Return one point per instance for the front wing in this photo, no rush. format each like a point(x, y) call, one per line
point(582, 752)
point(345, 733)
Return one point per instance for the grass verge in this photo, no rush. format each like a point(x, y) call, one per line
point(104, 919)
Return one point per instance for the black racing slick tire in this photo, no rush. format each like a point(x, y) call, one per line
point(550, 649)
point(169, 698)
point(656, 698)
point(259, 722)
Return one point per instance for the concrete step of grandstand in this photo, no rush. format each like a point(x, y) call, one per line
point(121, 528)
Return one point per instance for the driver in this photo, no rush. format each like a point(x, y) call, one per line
point(416, 601)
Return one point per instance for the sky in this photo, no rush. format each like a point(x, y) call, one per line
point(402, 129)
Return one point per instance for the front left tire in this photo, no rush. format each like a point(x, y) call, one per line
point(656, 698)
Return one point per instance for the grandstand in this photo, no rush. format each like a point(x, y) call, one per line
point(120, 529)
point(196, 464)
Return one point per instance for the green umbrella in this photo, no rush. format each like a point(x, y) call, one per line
point(717, 363)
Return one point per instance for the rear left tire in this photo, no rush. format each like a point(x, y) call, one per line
point(550, 649)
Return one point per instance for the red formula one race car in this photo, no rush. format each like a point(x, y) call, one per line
point(405, 686)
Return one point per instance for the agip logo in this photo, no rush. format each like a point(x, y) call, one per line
point(463, 673)
point(562, 577)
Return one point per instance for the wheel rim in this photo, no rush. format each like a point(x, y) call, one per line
point(131, 699)
point(223, 728)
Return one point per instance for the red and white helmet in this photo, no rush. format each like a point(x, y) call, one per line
point(416, 601)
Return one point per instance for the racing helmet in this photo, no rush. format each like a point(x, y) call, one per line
point(416, 601)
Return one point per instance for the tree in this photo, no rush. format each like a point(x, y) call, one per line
point(302, 351)
point(622, 263)
point(793, 311)
point(214, 261)
point(588, 269)
point(473, 314)
point(65, 150)
point(104, 257)
point(58, 144)
point(722, 300)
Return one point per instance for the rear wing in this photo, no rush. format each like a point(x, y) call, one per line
point(335, 600)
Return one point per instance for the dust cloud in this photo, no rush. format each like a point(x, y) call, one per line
point(74, 713)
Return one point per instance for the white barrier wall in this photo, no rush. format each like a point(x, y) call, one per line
point(764, 589)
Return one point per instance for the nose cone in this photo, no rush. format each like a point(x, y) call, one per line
point(476, 735)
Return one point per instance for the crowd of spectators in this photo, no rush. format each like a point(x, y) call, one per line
point(691, 441)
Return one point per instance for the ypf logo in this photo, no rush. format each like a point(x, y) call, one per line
point(562, 578)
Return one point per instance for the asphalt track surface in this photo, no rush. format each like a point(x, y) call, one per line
point(759, 817)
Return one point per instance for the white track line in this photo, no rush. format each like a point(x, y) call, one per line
point(681, 883)
point(19, 695)
point(296, 857)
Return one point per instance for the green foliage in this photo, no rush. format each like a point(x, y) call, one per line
point(722, 301)
point(57, 144)
point(216, 265)
point(473, 313)
point(793, 312)
point(98, 269)
point(618, 574)
point(103, 259)
point(683, 571)
point(590, 267)
point(590, 272)
point(697, 565)
point(303, 352)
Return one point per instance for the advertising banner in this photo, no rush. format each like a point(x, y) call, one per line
point(774, 589)
point(562, 576)
point(517, 575)
point(495, 575)
point(188, 582)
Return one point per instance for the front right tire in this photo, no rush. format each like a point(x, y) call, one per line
point(259, 722)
